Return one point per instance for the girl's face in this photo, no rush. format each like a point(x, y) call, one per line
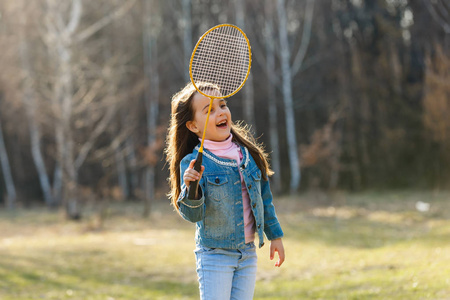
point(219, 124)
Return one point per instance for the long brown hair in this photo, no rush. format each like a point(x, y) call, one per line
point(181, 141)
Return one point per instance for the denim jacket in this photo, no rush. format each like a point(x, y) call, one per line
point(218, 214)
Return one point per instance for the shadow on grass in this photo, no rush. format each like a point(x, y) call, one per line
point(23, 276)
point(321, 288)
point(362, 233)
point(352, 222)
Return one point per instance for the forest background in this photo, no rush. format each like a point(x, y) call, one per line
point(345, 94)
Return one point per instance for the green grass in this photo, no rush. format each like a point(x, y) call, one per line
point(341, 246)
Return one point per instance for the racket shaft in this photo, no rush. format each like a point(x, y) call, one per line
point(193, 186)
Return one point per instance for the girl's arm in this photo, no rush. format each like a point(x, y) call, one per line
point(272, 227)
point(191, 210)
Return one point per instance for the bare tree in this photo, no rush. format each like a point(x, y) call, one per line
point(62, 39)
point(6, 171)
point(269, 38)
point(59, 43)
point(436, 104)
point(288, 72)
point(31, 106)
point(151, 93)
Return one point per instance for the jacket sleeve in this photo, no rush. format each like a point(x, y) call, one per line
point(272, 227)
point(190, 209)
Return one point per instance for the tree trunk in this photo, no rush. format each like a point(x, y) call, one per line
point(273, 111)
point(347, 89)
point(122, 173)
point(132, 164)
point(57, 183)
point(30, 105)
point(363, 113)
point(67, 147)
point(151, 96)
point(61, 49)
point(291, 132)
point(7, 175)
point(288, 73)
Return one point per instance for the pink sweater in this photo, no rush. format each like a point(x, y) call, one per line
point(230, 150)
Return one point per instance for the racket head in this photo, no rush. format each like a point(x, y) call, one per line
point(222, 58)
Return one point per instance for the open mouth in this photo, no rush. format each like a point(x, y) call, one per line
point(222, 124)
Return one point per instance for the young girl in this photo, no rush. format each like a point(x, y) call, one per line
point(234, 207)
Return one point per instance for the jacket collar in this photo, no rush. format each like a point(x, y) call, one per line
point(224, 161)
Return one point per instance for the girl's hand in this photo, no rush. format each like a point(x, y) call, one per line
point(191, 175)
point(277, 246)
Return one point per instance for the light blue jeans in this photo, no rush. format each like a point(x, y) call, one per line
point(225, 274)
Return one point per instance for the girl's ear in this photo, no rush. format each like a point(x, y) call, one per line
point(192, 126)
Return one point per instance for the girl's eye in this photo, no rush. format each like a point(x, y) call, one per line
point(223, 106)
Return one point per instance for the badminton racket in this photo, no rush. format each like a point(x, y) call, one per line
point(221, 58)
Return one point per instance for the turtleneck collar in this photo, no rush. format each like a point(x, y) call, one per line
point(223, 145)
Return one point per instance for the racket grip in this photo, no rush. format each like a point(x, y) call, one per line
point(193, 186)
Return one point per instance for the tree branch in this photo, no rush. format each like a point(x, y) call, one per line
point(306, 37)
point(443, 9)
point(91, 30)
point(99, 129)
point(75, 16)
point(436, 16)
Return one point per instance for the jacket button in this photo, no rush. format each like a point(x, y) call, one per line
point(259, 226)
point(249, 186)
point(243, 166)
point(217, 180)
point(254, 205)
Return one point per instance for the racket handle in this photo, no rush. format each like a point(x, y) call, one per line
point(193, 186)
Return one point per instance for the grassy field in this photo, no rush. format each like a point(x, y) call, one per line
point(340, 246)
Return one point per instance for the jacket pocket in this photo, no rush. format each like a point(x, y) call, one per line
point(218, 209)
point(216, 186)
